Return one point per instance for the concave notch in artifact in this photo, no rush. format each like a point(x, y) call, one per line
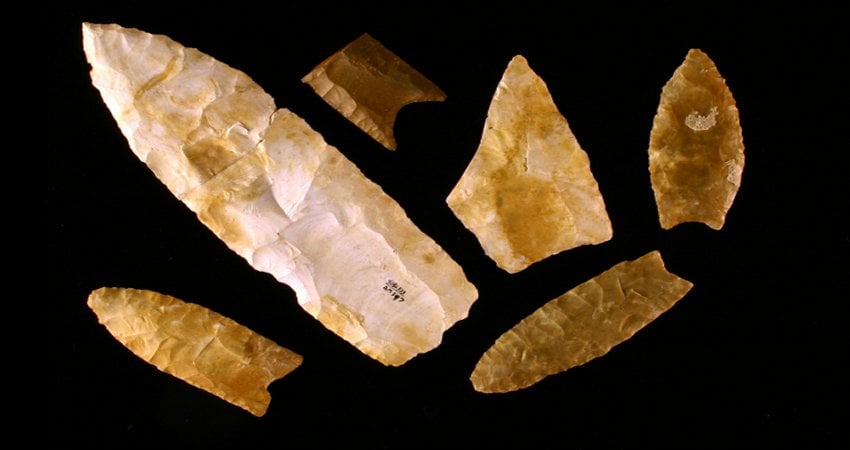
point(368, 84)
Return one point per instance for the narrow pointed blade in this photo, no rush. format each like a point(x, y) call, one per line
point(195, 344)
point(696, 148)
point(583, 324)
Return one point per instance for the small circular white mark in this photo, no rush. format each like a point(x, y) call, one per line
point(698, 122)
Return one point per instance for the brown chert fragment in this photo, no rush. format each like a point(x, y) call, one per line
point(696, 149)
point(368, 84)
point(195, 344)
point(583, 324)
point(528, 192)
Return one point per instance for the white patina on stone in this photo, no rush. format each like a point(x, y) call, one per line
point(278, 195)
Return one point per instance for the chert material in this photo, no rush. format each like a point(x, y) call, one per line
point(278, 195)
point(369, 84)
point(696, 149)
point(581, 325)
point(199, 346)
point(528, 192)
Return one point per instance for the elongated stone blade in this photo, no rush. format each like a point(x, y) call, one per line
point(368, 84)
point(278, 195)
point(583, 324)
point(696, 148)
point(528, 192)
point(195, 344)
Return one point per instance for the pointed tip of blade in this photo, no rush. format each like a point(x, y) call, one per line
point(697, 55)
point(518, 59)
point(90, 28)
point(95, 297)
point(696, 52)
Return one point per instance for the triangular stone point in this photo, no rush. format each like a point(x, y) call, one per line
point(528, 192)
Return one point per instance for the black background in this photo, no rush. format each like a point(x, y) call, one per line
point(753, 355)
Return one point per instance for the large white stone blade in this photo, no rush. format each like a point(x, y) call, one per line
point(277, 194)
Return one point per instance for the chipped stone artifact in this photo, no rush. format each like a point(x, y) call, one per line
point(278, 195)
point(583, 324)
point(696, 148)
point(368, 84)
point(528, 192)
point(195, 344)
